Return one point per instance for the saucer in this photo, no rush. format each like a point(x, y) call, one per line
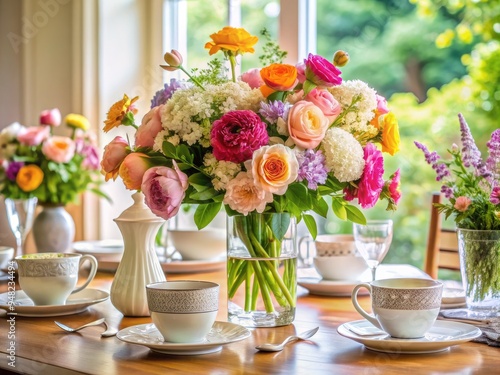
point(221, 333)
point(175, 266)
point(440, 337)
point(343, 288)
point(76, 303)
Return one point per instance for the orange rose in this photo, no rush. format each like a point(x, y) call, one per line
point(29, 177)
point(390, 134)
point(274, 168)
point(231, 39)
point(280, 77)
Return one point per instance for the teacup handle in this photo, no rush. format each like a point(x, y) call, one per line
point(93, 270)
point(354, 298)
point(306, 261)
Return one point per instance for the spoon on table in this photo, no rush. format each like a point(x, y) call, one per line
point(108, 333)
point(278, 347)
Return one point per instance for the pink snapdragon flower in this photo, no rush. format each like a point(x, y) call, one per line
point(164, 189)
point(236, 135)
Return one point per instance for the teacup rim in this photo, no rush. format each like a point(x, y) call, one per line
point(6, 248)
point(35, 256)
point(203, 285)
point(432, 283)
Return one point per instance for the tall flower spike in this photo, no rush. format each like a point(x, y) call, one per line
point(432, 158)
point(493, 161)
point(471, 156)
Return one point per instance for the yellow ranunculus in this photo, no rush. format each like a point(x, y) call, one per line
point(29, 177)
point(118, 111)
point(76, 121)
point(232, 39)
point(390, 134)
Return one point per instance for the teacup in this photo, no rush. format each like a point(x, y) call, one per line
point(183, 311)
point(208, 243)
point(348, 267)
point(6, 254)
point(50, 278)
point(404, 308)
point(328, 245)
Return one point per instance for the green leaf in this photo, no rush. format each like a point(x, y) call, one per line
point(279, 225)
point(355, 215)
point(199, 181)
point(204, 195)
point(339, 209)
point(308, 87)
point(297, 193)
point(205, 213)
point(320, 207)
point(184, 154)
point(169, 150)
point(311, 225)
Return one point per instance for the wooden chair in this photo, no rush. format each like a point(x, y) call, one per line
point(442, 244)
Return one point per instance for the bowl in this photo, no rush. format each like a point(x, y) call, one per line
point(335, 245)
point(346, 267)
point(195, 244)
point(6, 255)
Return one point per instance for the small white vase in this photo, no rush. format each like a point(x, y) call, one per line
point(139, 265)
point(53, 229)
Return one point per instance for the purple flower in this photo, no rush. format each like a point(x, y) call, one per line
point(447, 191)
point(495, 195)
point(471, 156)
point(432, 158)
point(312, 168)
point(166, 93)
point(272, 111)
point(493, 161)
point(13, 169)
point(91, 157)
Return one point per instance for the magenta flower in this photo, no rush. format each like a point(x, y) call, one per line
point(13, 169)
point(236, 135)
point(164, 189)
point(50, 117)
point(371, 182)
point(321, 72)
point(394, 187)
point(495, 196)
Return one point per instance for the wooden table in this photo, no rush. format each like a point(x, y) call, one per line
point(42, 348)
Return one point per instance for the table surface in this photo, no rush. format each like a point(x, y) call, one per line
point(42, 348)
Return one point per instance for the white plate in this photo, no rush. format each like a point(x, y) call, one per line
point(99, 247)
point(75, 303)
point(146, 334)
point(440, 337)
point(175, 266)
point(339, 288)
point(453, 296)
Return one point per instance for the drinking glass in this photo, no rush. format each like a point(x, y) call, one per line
point(373, 241)
point(20, 215)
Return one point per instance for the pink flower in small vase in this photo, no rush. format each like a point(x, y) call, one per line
point(59, 149)
point(34, 135)
point(50, 117)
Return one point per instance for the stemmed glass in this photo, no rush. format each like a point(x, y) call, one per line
point(373, 241)
point(20, 215)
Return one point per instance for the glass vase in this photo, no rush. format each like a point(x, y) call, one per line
point(480, 268)
point(261, 269)
point(20, 215)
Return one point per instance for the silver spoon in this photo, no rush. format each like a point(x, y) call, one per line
point(69, 329)
point(278, 347)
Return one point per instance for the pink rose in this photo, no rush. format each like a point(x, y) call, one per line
point(50, 117)
point(59, 149)
point(33, 135)
point(462, 203)
point(371, 182)
point(253, 78)
point(236, 135)
point(150, 127)
point(307, 124)
point(321, 72)
point(325, 101)
point(113, 156)
point(133, 168)
point(381, 105)
point(164, 189)
point(244, 196)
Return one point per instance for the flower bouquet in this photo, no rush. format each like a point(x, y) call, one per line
point(471, 186)
point(269, 146)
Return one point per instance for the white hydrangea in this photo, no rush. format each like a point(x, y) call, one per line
point(189, 113)
point(343, 154)
point(222, 171)
point(357, 120)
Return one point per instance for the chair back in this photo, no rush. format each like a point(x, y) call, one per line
point(442, 244)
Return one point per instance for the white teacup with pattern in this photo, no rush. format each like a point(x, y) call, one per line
point(404, 307)
point(50, 278)
point(183, 311)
